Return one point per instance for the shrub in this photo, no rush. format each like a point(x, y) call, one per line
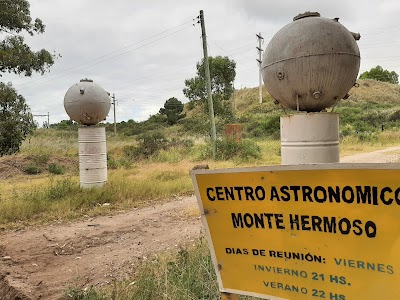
point(32, 169)
point(230, 149)
point(151, 142)
point(395, 116)
point(131, 152)
point(55, 169)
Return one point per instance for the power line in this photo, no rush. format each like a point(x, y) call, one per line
point(113, 57)
point(112, 52)
point(227, 52)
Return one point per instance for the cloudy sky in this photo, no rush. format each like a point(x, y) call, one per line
point(144, 50)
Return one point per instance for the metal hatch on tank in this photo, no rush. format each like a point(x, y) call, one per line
point(311, 63)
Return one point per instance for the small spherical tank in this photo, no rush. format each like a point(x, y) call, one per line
point(87, 103)
point(311, 63)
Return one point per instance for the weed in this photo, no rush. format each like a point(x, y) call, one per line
point(187, 274)
point(55, 169)
point(41, 158)
point(32, 169)
point(74, 293)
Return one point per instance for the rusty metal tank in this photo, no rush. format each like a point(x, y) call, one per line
point(87, 103)
point(311, 63)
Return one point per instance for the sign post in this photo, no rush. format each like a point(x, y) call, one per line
point(328, 231)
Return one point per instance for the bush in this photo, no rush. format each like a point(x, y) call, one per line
point(266, 126)
point(230, 149)
point(32, 169)
point(151, 142)
point(55, 169)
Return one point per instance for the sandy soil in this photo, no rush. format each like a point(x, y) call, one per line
point(41, 263)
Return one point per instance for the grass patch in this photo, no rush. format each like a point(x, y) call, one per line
point(62, 199)
point(74, 293)
point(32, 169)
point(184, 275)
point(55, 169)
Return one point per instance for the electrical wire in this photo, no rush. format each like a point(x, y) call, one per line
point(115, 51)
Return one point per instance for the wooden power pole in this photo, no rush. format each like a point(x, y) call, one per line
point(260, 39)
point(208, 83)
point(115, 118)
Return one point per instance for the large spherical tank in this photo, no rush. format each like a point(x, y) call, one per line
point(87, 103)
point(311, 63)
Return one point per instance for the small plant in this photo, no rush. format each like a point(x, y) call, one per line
point(150, 143)
point(230, 149)
point(55, 169)
point(74, 293)
point(41, 158)
point(32, 169)
point(60, 189)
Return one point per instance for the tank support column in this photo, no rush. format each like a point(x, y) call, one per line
point(92, 156)
point(310, 138)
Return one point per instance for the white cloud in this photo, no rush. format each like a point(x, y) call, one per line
point(150, 74)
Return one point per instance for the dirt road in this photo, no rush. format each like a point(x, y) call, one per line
point(41, 263)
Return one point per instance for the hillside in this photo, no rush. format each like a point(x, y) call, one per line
point(368, 91)
point(373, 106)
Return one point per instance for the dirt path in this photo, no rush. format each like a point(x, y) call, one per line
point(387, 155)
point(41, 263)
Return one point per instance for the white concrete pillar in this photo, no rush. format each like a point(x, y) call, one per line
point(310, 138)
point(92, 156)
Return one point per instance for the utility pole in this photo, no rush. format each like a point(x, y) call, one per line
point(260, 39)
point(48, 118)
point(115, 119)
point(234, 103)
point(208, 82)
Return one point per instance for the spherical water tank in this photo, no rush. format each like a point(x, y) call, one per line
point(311, 63)
point(87, 103)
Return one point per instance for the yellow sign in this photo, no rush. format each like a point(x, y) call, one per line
point(304, 232)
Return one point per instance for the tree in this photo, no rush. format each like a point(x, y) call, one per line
point(16, 120)
point(173, 110)
point(18, 58)
point(222, 74)
point(378, 73)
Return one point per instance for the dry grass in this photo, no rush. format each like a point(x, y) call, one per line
point(375, 91)
point(352, 145)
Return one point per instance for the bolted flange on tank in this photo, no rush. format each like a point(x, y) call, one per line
point(311, 63)
point(88, 104)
